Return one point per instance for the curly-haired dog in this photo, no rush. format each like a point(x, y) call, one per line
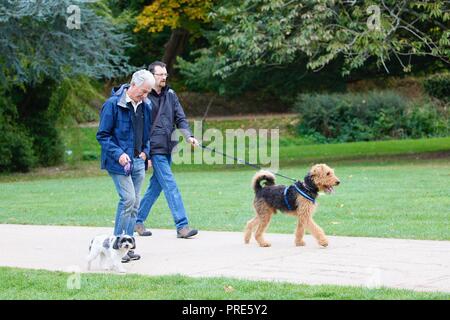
point(298, 200)
point(111, 249)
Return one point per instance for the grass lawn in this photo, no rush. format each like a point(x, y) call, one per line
point(293, 150)
point(410, 199)
point(39, 284)
point(388, 189)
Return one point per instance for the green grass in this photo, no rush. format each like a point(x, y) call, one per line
point(406, 200)
point(293, 150)
point(361, 150)
point(39, 284)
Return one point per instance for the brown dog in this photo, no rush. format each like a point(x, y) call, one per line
point(298, 200)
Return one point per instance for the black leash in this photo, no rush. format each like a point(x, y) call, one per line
point(245, 162)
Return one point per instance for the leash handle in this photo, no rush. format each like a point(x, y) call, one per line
point(245, 162)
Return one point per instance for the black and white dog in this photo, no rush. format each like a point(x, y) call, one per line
point(111, 249)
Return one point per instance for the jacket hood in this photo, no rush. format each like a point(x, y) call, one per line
point(164, 90)
point(117, 91)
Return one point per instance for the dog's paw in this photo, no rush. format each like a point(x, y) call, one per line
point(264, 244)
point(323, 242)
point(300, 243)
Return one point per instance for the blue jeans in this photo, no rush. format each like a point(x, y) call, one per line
point(163, 180)
point(128, 188)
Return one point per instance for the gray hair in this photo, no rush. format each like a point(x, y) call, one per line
point(141, 76)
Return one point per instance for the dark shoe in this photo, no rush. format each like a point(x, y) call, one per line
point(133, 256)
point(130, 256)
point(126, 258)
point(186, 232)
point(140, 229)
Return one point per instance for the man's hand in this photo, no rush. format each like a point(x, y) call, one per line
point(194, 142)
point(143, 156)
point(149, 163)
point(124, 159)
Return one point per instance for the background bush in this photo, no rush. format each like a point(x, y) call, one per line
point(438, 86)
point(16, 145)
point(77, 100)
point(375, 115)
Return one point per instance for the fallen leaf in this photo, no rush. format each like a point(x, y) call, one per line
point(228, 289)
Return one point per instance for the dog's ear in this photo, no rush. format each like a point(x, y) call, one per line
point(133, 241)
point(116, 243)
point(316, 170)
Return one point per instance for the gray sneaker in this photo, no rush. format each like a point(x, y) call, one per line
point(130, 256)
point(186, 232)
point(140, 229)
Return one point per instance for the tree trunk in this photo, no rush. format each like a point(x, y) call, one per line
point(175, 47)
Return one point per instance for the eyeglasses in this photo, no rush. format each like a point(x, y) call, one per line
point(161, 74)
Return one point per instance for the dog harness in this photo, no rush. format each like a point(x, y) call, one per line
point(293, 206)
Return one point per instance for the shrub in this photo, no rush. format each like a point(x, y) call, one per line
point(438, 86)
point(48, 145)
point(424, 120)
point(75, 100)
point(16, 145)
point(375, 115)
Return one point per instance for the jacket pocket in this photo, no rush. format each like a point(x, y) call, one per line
point(158, 141)
point(123, 130)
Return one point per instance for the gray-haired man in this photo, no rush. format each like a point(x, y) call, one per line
point(123, 134)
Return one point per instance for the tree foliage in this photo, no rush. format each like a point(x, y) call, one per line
point(261, 33)
point(186, 14)
point(39, 49)
point(36, 43)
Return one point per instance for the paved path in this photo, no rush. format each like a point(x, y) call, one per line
point(411, 264)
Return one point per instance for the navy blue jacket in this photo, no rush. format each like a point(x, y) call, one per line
point(115, 131)
point(170, 117)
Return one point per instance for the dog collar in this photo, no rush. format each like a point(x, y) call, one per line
point(304, 194)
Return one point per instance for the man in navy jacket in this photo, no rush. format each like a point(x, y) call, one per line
point(123, 134)
point(168, 115)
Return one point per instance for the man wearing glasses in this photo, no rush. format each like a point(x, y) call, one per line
point(167, 114)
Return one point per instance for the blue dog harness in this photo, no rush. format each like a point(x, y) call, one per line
point(301, 192)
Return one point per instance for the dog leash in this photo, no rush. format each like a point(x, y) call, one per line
point(245, 162)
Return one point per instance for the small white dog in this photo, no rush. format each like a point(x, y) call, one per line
point(111, 249)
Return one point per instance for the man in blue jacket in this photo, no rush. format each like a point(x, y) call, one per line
point(168, 115)
point(123, 134)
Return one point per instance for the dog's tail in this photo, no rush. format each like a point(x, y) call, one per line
point(262, 175)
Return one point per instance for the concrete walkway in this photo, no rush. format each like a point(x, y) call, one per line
point(372, 262)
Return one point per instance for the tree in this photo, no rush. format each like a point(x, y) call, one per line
point(183, 17)
point(41, 43)
point(267, 33)
point(41, 39)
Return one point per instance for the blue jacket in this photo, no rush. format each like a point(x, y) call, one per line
point(115, 131)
